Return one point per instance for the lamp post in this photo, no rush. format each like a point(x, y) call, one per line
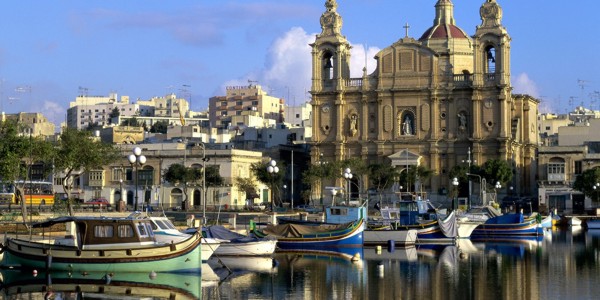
point(204, 160)
point(348, 176)
point(272, 169)
point(596, 189)
point(469, 161)
point(285, 193)
point(455, 193)
point(321, 181)
point(333, 192)
point(136, 159)
point(121, 189)
point(496, 188)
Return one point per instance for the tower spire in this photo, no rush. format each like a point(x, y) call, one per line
point(331, 21)
point(444, 13)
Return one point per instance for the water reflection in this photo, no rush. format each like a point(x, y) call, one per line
point(559, 265)
point(17, 284)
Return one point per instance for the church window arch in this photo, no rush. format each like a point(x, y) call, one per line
point(327, 63)
point(490, 59)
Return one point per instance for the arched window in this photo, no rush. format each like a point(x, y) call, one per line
point(490, 58)
point(327, 65)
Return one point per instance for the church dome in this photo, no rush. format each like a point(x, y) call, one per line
point(444, 31)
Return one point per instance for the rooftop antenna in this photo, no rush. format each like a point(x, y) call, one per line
point(83, 91)
point(582, 83)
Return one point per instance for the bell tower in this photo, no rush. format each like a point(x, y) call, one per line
point(330, 51)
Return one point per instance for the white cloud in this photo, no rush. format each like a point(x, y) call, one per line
point(359, 59)
point(288, 66)
point(524, 85)
point(54, 112)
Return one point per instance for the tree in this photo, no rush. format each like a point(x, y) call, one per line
point(159, 127)
point(247, 186)
point(77, 150)
point(179, 174)
point(496, 170)
point(586, 181)
point(115, 113)
point(272, 180)
point(18, 151)
point(133, 122)
point(383, 176)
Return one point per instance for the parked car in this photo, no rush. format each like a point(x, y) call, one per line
point(99, 202)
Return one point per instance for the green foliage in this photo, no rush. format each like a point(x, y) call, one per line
point(497, 170)
point(213, 177)
point(76, 150)
point(133, 122)
point(383, 176)
point(159, 127)
point(586, 181)
point(114, 113)
point(246, 185)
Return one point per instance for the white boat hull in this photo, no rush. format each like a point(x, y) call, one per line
point(400, 237)
point(258, 248)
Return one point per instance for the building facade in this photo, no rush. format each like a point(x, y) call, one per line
point(435, 99)
point(240, 99)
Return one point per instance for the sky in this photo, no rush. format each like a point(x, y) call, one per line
point(53, 51)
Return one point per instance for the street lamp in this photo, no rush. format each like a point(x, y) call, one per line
point(333, 192)
point(204, 160)
point(496, 188)
point(136, 159)
point(284, 193)
point(596, 189)
point(272, 169)
point(348, 176)
point(455, 184)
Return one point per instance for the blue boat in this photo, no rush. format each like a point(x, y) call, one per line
point(418, 215)
point(513, 224)
point(314, 237)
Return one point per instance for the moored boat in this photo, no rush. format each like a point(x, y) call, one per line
point(314, 237)
point(574, 221)
point(233, 243)
point(102, 244)
point(513, 224)
point(593, 223)
point(418, 215)
point(166, 232)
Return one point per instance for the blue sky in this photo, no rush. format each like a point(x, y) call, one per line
point(153, 47)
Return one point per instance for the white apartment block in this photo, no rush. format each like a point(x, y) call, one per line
point(240, 99)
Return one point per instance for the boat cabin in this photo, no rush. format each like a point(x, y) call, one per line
point(101, 233)
point(409, 212)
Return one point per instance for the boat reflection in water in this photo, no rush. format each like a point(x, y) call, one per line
point(17, 284)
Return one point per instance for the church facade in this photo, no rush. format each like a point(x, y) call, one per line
point(439, 100)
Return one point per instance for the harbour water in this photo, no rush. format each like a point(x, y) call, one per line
point(562, 264)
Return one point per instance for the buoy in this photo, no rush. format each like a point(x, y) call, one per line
point(356, 257)
point(378, 249)
point(34, 273)
point(152, 275)
point(391, 245)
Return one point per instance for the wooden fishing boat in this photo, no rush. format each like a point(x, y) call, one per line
point(513, 224)
point(166, 232)
point(102, 244)
point(417, 215)
point(314, 237)
point(234, 244)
